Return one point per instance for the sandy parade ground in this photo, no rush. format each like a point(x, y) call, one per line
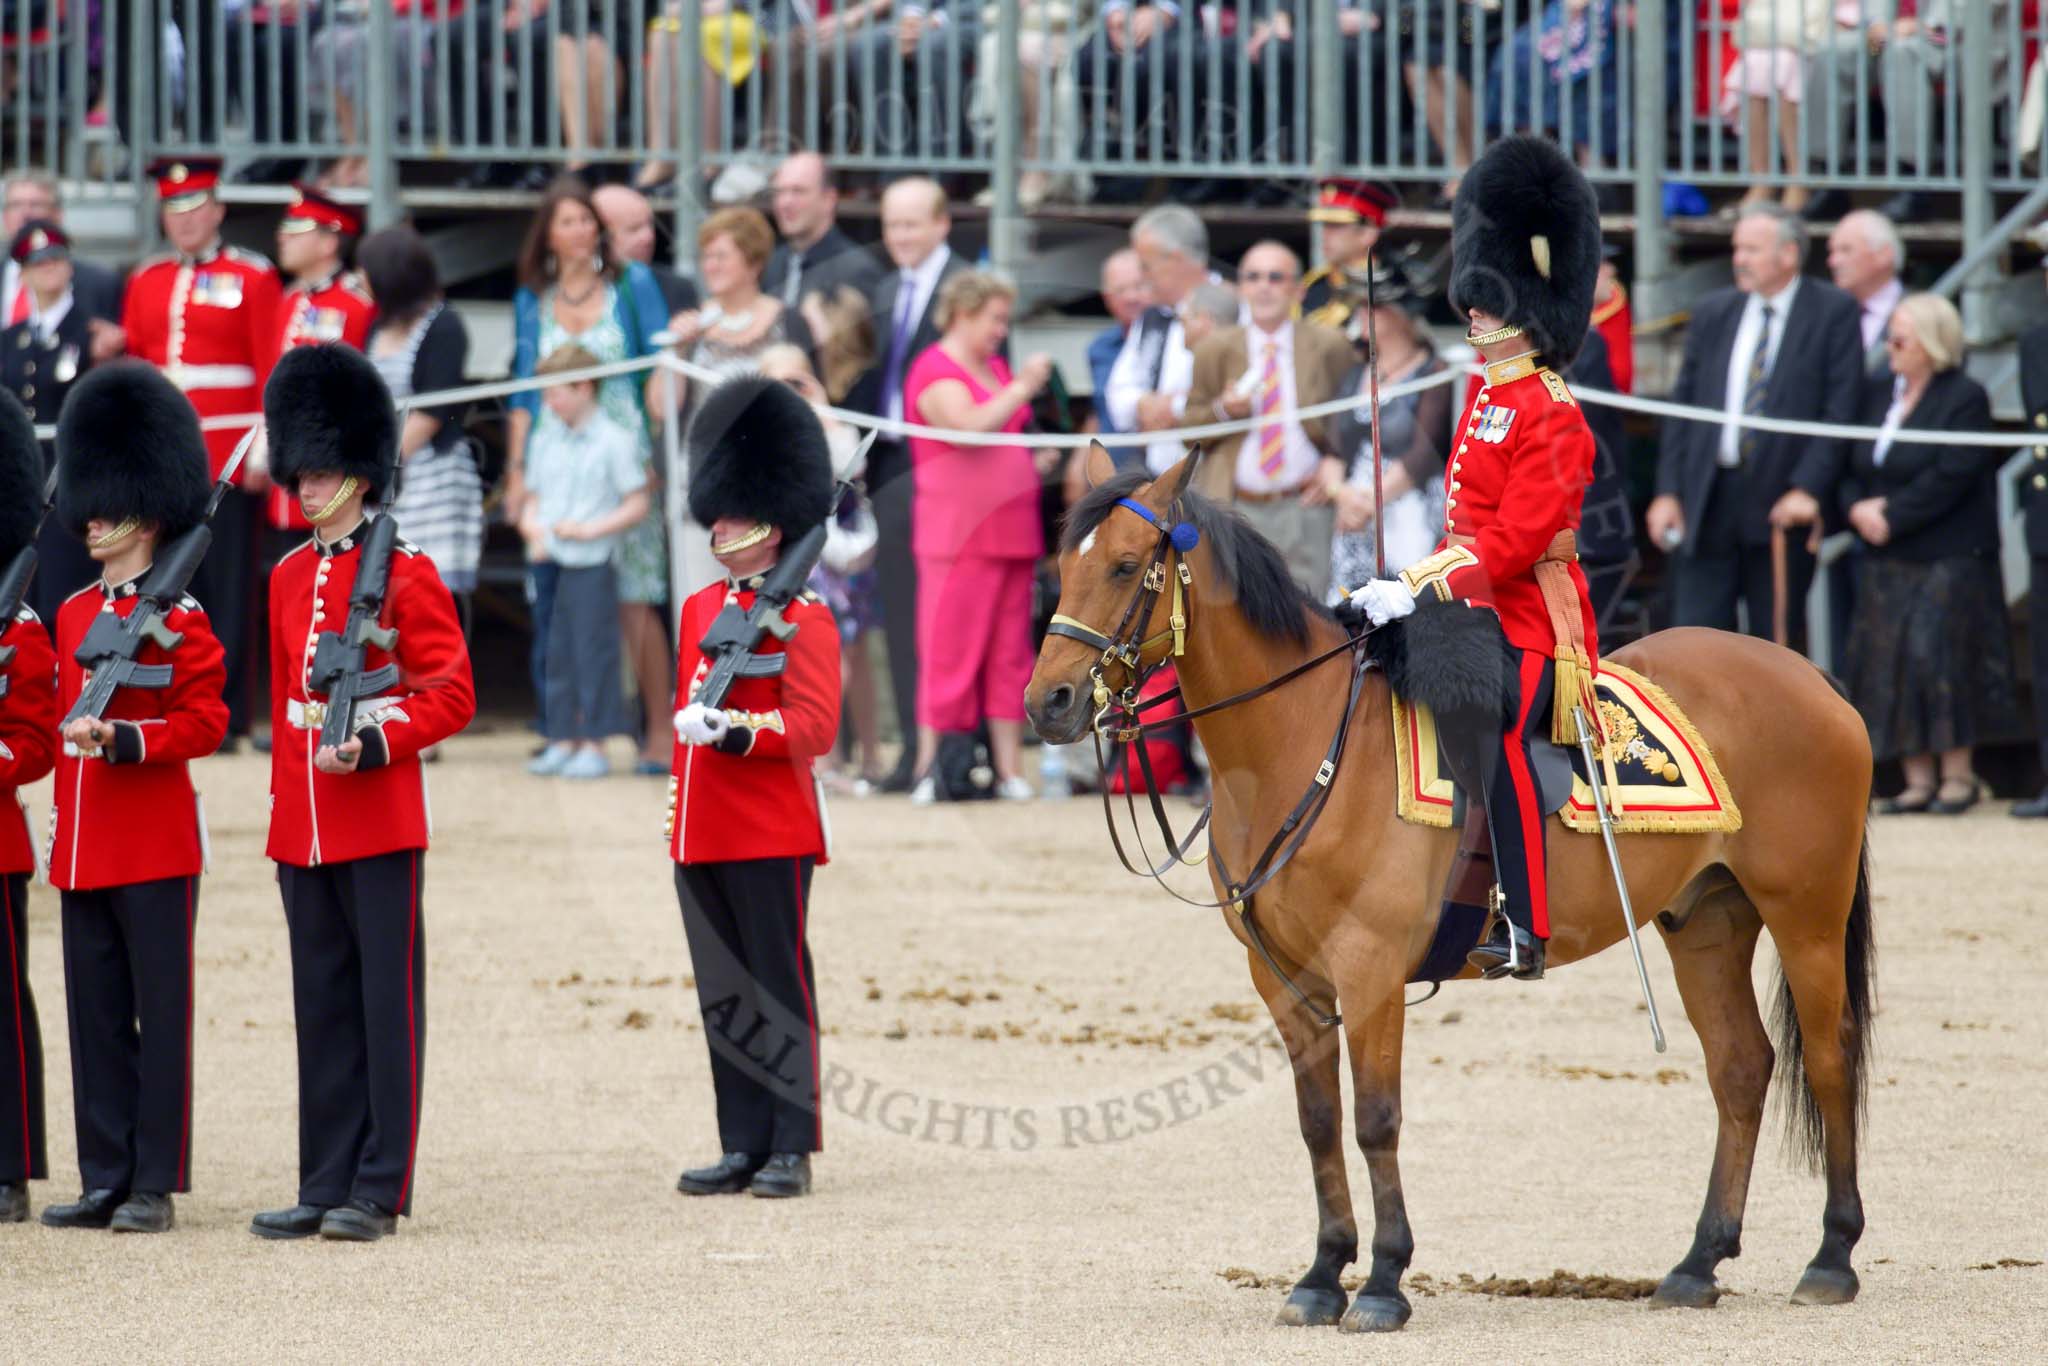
point(1058, 1124)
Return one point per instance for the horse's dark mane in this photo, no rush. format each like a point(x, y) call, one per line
point(1266, 593)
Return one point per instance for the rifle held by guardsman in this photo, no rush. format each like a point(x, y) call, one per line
point(338, 658)
point(736, 634)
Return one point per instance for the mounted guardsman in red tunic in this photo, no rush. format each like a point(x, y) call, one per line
point(1525, 248)
point(757, 684)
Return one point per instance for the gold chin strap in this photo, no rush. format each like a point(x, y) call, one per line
point(761, 532)
point(116, 536)
point(341, 495)
point(1499, 334)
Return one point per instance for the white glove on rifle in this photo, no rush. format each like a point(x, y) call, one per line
point(701, 725)
point(1384, 600)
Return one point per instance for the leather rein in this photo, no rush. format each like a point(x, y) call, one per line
point(1119, 716)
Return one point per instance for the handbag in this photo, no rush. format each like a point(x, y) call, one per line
point(852, 535)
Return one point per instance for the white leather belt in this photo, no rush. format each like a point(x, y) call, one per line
point(369, 712)
point(190, 377)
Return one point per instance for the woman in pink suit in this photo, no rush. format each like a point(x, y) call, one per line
point(975, 531)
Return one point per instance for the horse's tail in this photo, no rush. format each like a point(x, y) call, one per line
point(1803, 1128)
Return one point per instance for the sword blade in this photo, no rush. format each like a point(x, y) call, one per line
point(1628, 913)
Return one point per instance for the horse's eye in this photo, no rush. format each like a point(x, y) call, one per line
point(1125, 569)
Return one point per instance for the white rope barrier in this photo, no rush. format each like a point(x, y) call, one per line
point(1651, 407)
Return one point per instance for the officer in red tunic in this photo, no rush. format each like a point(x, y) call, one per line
point(746, 827)
point(325, 302)
point(206, 315)
point(348, 823)
point(128, 842)
point(28, 747)
point(1525, 248)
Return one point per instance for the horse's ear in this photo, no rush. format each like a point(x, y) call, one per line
point(1176, 481)
point(1100, 465)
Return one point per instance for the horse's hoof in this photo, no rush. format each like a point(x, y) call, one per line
point(1309, 1307)
point(1678, 1291)
point(1826, 1285)
point(1375, 1314)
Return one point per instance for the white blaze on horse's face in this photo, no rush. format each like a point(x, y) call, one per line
point(1087, 544)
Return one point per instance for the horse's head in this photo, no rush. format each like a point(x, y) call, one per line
point(1114, 618)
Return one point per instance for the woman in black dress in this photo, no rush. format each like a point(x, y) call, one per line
point(1929, 657)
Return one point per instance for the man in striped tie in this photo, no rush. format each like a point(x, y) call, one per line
point(1281, 472)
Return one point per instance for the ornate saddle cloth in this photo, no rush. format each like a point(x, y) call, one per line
point(1664, 776)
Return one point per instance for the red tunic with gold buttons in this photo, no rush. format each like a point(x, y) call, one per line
point(28, 731)
point(210, 323)
point(336, 309)
point(130, 814)
point(753, 795)
point(1517, 478)
point(317, 817)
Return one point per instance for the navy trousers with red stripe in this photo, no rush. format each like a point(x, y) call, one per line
point(1514, 810)
point(24, 1156)
point(359, 996)
point(128, 988)
point(745, 923)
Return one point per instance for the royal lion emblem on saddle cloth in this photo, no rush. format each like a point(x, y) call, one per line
point(1665, 778)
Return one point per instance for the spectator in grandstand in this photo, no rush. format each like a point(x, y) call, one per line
point(339, 59)
point(1136, 45)
point(573, 288)
point(1274, 48)
point(1776, 345)
point(629, 225)
point(905, 74)
point(814, 255)
point(1209, 305)
point(561, 68)
point(1767, 85)
point(1929, 658)
point(263, 77)
point(420, 346)
point(1045, 37)
point(1866, 258)
point(1148, 385)
point(1559, 75)
point(1126, 294)
point(1434, 69)
point(1281, 474)
point(977, 531)
point(95, 291)
point(731, 42)
point(1415, 437)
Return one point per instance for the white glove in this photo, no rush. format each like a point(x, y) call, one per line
point(701, 725)
point(1384, 600)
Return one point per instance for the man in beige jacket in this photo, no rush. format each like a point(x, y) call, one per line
point(1279, 474)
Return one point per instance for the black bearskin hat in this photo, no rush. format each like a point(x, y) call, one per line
point(758, 451)
point(129, 445)
point(326, 408)
point(21, 479)
point(1525, 244)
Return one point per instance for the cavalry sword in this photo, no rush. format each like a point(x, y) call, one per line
point(1628, 914)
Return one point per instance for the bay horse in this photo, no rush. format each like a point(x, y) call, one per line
point(1351, 913)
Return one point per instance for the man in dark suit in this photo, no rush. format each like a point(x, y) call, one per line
point(815, 257)
point(1607, 537)
point(915, 222)
point(1777, 345)
point(2034, 500)
point(629, 225)
point(95, 290)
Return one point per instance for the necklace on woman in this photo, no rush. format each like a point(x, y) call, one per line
point(578, 300)
point(715, 316)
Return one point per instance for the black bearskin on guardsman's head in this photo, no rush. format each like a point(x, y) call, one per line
point(21, 478)
point(1525, 244)
point(758, 451)
point(327, 409)
point(129, 445)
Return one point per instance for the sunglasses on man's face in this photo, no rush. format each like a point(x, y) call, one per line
point(1266, 277)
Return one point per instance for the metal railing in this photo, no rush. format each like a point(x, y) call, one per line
point(1051, 99)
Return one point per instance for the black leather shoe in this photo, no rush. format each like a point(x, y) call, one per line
point(2034, 810)
point(1826, 206)
point(94, 1209)
point(1496, 959)
point(145, 1212)
point(13, 1203)
point(785, 1175)
point(729, 1175)
point(300, 1221)
point(359, 1221)
point(901, 778)
point(1908, 206)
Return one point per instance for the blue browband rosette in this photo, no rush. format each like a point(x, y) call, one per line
point(1184, 535)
